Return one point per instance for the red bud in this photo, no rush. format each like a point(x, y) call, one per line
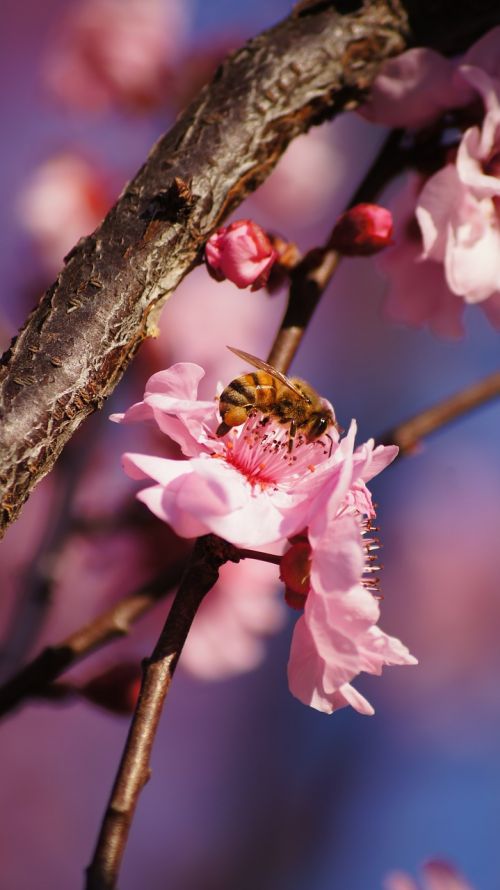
point(362, 230)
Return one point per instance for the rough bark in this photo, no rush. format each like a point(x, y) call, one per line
point(77, 343)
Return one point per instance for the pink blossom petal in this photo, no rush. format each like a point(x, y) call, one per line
point(370, 461)
point(160, 469)
point(136, 413)
point(485, 53)
point(418, 294)
point(338, 556)
point(414, 89)
point(379, 649)
point(350, 696)
point(180, 381)
point(227, 637)
point(163, 503)
point(440, 198)
point(475, 147)
point(305, 671)
point(472, 263)
point(485, 86)
point(353, 614)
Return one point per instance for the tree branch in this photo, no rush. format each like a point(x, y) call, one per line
point(408, 434)
point(34, 679)
point(209, 554)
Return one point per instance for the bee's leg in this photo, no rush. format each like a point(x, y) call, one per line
point(293, 430)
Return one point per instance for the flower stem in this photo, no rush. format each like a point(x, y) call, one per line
point(35, 678)
point(256, 554)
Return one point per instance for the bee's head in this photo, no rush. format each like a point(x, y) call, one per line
point(319, 423)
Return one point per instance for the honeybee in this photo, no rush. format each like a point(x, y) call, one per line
point(289, 400)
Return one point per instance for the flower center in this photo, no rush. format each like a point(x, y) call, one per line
point(261, 451)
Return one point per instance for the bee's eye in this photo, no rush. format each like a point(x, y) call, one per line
point(319, 426)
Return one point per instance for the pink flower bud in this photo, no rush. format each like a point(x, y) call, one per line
point(241, 252)
point(362, 230)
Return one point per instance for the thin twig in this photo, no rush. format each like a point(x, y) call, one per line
point(33, 680)
point(311, 277)
point(408, 434)
point(262, 557)
point(208, 555)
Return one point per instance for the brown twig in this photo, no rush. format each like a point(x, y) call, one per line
point(311, 277)
point(209, 554)
point(261, 557)
point(408, 434)
point(34, 679)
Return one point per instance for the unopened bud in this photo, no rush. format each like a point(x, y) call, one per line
point(362, 230)
point(242, 253)
point(295, 567)
point(115, 689)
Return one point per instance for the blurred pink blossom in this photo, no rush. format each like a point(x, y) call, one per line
point(242, 253)
point(250, 489)
point(456, 252)
point(116, 51)
point(227, 637)
point(437, 875)
point(458, 207)
point(66, 198)
point(362, 230)
point(417, 291)
point(420, 85)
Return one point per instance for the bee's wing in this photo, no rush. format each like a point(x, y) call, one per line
point(264, 366)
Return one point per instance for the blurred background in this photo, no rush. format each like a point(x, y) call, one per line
point(249, 787)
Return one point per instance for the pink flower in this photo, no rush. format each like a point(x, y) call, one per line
point(362, 230)
point(458, 207)
point(233, 621)
point(417, 87)
point(250, 489)
point(241, 252)
point(116, 51)
point(438, 875)
point(66, 197)
point(418, 294)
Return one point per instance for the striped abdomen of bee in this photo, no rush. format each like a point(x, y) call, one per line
point(257, 390)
